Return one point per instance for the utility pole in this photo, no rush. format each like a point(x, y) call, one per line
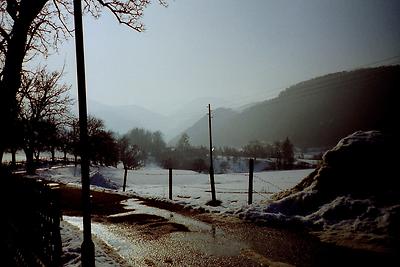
point(213, 197)
point(251, 171)
point(87, 248)
point(170, 183)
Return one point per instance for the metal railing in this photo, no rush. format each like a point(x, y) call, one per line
point(31, 222)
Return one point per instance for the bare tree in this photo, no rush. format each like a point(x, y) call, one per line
point(43, 104)
point(130, 156)
point(32, 27)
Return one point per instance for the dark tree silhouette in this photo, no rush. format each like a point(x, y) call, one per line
point(65, 144)
point(43, 104)
point(277, 154)
point(130, 156)
point(287, 149)
point(103, 147)
point(29, 28)
point(183, 143)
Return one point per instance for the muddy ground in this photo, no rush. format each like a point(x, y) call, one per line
point(228, 242)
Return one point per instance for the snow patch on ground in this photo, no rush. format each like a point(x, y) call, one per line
point(71, 237)
point(190, 189)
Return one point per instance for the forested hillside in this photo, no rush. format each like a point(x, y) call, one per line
point(313, 113)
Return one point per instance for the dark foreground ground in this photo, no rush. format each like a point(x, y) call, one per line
point(218, 240)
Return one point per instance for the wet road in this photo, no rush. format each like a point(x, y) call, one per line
point(144, 235)
point(149, 236)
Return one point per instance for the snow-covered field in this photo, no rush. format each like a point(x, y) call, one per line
point(364, 221)
point(189, 188)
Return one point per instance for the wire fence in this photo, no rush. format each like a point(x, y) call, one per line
point(226, 184)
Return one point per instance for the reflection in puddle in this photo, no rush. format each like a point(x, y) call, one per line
point(122, 246)
point(138, 207)
point(201, 238)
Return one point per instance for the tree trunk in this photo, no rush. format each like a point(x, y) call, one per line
point(37, 155)
point(11, 73)
point(125, 175)
point(53, 155)
point(1, 156)
point(65, 157)
point(13, 157)
point(30, 163)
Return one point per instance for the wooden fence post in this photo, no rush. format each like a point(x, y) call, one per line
point(170, 183)
point(125, 174)
point(251, 171)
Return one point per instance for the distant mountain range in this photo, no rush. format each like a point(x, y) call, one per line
point(121, 119)
point(313, 113)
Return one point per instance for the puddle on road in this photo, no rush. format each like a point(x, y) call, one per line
point(138, 208)
point(201, 238)
point(122, 245)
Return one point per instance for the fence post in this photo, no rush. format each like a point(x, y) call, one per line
point(251, 170)
point(170, 183)
point(125, 174)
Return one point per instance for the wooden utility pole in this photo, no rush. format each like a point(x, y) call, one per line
point(87, 249)
point(125, 175)
point(213, 197)
point(251, 171)
point(170, 183)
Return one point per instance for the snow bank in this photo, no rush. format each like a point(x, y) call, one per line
point(72, 174)
point(352, 199)
point(98, 179)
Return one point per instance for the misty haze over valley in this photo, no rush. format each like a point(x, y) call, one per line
point(199, 133)
point(313, 113)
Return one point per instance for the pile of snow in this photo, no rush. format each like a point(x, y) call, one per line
point(352, 199)
point(99, 180)
point(72, 174)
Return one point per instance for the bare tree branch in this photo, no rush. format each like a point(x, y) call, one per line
point(4, 34)
point(62, 17)
point(127, 12)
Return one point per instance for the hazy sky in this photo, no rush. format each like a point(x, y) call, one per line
point(242, 51)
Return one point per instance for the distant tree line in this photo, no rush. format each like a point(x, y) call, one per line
point(152, 147)
point(44, 123)
point(186, 156)
point(281, 152)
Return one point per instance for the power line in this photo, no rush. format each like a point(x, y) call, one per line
point(268, 182)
